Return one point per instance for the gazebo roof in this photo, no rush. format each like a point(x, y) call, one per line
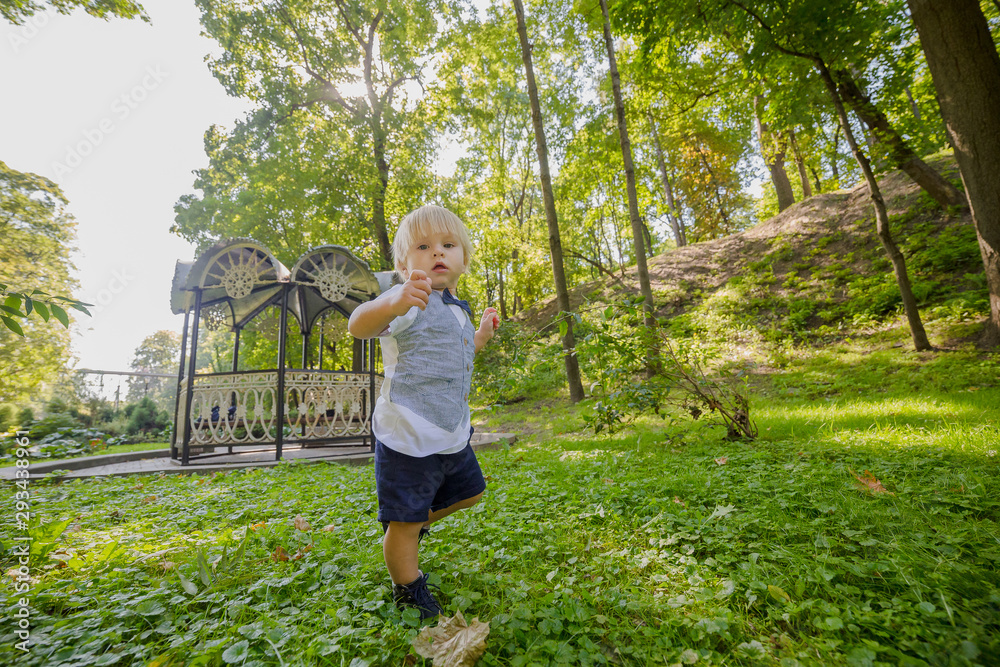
point(328, 277)
point(239, 274)
point(243, 277)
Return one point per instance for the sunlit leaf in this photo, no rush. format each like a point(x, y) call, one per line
point(12, 325)
point(60, 314)
point(237, 652)
point(189, 586)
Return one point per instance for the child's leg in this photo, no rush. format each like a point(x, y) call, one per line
point(400, 551)
point(460, 505)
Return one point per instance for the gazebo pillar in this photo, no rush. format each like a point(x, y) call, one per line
point(358, 356)
point(280, 395)
point(370, 408)
point(192, 365)
point(236, 350)
point(180, 384)
point(322, 325)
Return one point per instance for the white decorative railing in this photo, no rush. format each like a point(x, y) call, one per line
point(318, 405)
point(328, 405)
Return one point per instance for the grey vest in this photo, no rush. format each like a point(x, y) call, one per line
point(434, 368)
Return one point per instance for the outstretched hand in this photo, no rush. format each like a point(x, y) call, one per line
point(490, 321)
point(488, 325)
point(415, 292)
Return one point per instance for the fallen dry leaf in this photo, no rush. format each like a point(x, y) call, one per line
point(453, 642)
point(721, 461)
point(302, 552)
point(74, 528)
point(868, 482)
point(279, 554)
point(329, 529)
point(679, 501)
point(149, 499)
point(302, 524)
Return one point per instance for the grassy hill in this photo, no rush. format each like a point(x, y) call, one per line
point(814, 271)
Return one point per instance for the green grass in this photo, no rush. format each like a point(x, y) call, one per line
point(660, 544)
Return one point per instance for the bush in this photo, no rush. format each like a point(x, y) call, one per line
point(6, 417)
point(144, 416)
point(50, 425)
point(25, 417)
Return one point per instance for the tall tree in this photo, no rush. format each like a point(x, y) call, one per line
point(38, 236)
point(773, 149)
point(899, 152)
point(673, 210)
point(963, 60)
point(158, 352)
point(349, 62)
point(633, 201)
point(548, 199)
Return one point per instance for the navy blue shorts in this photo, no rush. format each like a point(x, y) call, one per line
point(408, 486)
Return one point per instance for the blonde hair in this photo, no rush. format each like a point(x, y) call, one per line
point(423, 221)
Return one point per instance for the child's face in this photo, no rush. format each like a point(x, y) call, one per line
point(440, 256)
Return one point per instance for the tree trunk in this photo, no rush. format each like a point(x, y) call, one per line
point(633, 198)
point(555, 243)
point(819, 185)
point(913, 104)
point(668, 192)
point(920, 341)
point(966, 71)
point(503, 300)
point(801, 164)
point(836, 153)
point(772, 149)
point(900, 153)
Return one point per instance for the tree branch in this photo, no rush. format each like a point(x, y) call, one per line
point(327, 86)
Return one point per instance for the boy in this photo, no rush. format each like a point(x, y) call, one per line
point(425, 468)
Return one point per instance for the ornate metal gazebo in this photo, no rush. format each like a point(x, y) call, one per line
point(234, 283)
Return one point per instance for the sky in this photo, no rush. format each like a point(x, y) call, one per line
point(114, 112)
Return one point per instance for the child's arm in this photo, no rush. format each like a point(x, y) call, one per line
point(488, 325)
point(370, 319)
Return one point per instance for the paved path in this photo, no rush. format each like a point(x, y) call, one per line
point(158, 461)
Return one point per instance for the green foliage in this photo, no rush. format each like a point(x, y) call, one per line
point(7, 413)
point(38, 235)
point(613, 353)
point(25, 416)
point(144, 416)
point(37, 301)
point(49, 425)
point(68, 442)
point(158, 353)
point(17, 11)
point(518, 365)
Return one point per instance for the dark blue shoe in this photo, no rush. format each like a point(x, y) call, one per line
point(417, 594)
